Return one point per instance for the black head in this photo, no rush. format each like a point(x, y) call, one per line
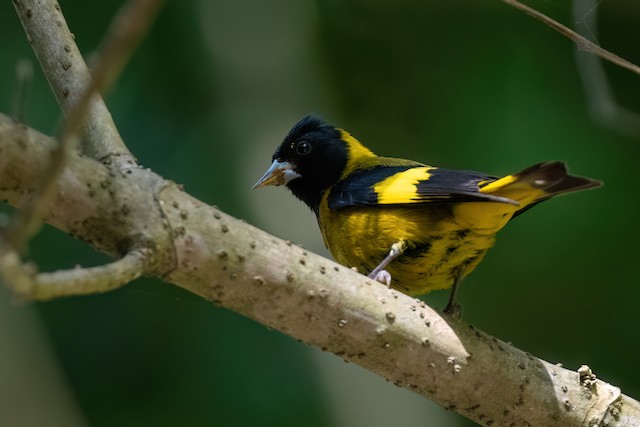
point(311, 158)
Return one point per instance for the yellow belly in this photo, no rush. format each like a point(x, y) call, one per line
point(442, 241)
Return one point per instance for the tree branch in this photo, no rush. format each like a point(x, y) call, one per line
point(240, 267)
point(602, 102)
point(581, 42)
point(78, 281)
point(90, 210)
point(126, 31)
point(69, 77)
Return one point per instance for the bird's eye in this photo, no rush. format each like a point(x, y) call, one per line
point(303, 148)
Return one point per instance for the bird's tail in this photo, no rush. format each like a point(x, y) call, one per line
point(538, 183)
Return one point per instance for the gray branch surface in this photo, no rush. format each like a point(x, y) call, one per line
point(237, 266)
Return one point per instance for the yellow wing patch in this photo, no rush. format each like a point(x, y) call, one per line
point(401, 187)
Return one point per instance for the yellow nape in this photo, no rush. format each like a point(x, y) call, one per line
point(357, 152)
point(401, 187)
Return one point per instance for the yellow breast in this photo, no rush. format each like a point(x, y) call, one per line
point(437, 244)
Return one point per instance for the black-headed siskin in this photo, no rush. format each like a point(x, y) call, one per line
point(440, 222)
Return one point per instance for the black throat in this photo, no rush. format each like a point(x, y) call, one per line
point(311, 197)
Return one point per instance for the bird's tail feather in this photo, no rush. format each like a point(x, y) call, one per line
point(553, 178)
point(538, 183)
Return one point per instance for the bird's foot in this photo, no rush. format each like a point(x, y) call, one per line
point(379, 273)
point(454, 310)
point(382, 276)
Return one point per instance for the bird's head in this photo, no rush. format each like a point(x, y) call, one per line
point(312, 157)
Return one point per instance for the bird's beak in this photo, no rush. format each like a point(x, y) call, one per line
point(280, 173)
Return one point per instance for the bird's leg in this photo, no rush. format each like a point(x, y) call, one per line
point(453, 308)
point(379, 273)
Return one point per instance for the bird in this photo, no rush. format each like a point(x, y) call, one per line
point(413, 226)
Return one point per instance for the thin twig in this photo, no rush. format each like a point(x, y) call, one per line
point(602, 101)
point(581, 42)
point(69, 77)
point(78, 281)
point(24, 76)
point(128, 28)
point(126, 31)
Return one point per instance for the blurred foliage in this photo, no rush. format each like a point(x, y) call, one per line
point(208, 96)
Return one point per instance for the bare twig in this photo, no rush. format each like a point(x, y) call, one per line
point(70, 79)
point(313, 299)
point(602, 103)
point(78, 281)
point(581, 42)
point(69, 76)
point(128, 28)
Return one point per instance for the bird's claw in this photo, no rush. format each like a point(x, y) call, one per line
point(383, 277)
point(454, 310)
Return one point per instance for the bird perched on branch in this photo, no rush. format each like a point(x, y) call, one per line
point(415, 227)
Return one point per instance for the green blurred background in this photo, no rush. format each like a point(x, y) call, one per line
point(204, 102)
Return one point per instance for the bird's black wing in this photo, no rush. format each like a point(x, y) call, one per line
point(410, 184)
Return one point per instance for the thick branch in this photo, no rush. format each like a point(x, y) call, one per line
point(91, 210)
point(237, 266)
